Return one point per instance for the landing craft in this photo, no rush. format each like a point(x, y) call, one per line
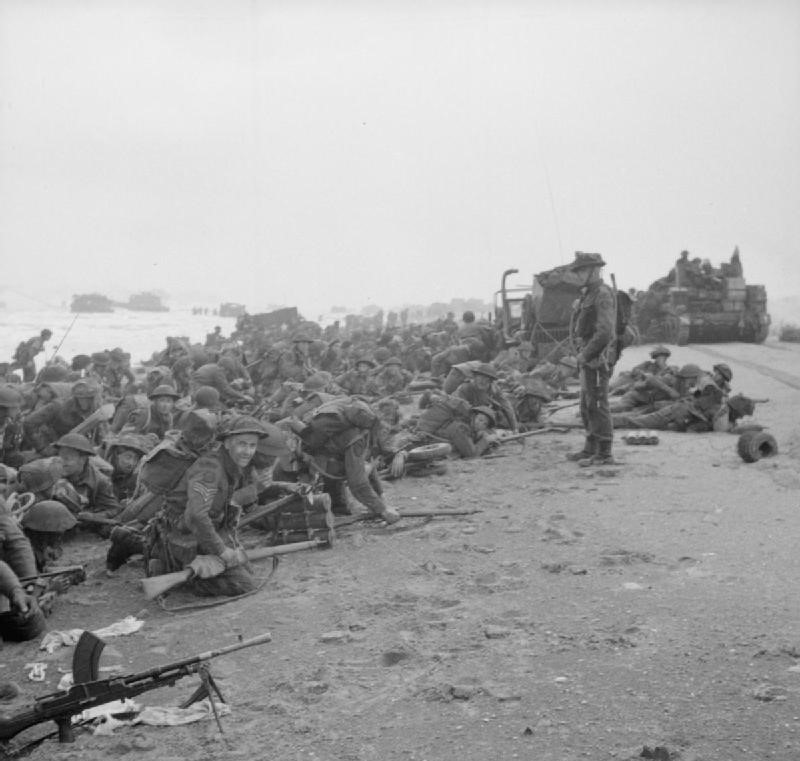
point(91, 302)
point(144, 302)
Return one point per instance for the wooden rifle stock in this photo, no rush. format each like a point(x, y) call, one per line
point(154, 586)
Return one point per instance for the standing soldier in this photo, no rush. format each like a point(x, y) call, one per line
point(595, 331)
point(27, 351)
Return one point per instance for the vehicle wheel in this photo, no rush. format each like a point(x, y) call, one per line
point(753, 445)
point(429, 452)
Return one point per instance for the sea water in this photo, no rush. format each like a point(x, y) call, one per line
point(140, 333)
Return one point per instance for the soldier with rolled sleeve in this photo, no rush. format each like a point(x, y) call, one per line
point(197, 528)
point(594, 334)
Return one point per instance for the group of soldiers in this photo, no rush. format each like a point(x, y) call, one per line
point(167, 459)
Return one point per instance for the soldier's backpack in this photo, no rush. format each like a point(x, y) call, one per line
point(624, 333)
point(162, 469)
point(340, 422)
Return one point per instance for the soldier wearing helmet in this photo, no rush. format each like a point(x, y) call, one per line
point(22, 619)
point(44, 524)
point(25, 353)
point(124, 453)
point(392, 378)
point(162, 407)
point(219, 377)
point(93, 487)
point(10, 428)
point(480, 391)
point(360, 381)
point(699, 411)
point(46, 425)
point(197, 528)
point(594, 333)
point(295, 364)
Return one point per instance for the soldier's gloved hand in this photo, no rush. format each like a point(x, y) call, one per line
point(232, 557)
point(207, 566)
point(245, 496)
point(580, 358)
point(398, 468)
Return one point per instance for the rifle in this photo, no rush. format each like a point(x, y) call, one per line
point(535, 432)
point(64, 337)
point(102, 414)
point(78, 571)
point(154, 586)
point(90, 692)
point(264, 510)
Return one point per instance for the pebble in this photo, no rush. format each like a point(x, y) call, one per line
point(496, 632)
point(464, 691)
point(469, 530)
point(632, 585)
point(8, 691)
point(769, 692)
point(333, 637)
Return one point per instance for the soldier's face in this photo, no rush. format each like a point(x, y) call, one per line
point(127, 460)
point(241, 448)
point(483, 382)
point(164, 404)
point(72, 460)
point(85, 403)
point(480, 422)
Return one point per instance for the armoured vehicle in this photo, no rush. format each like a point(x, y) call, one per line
point(698, 303)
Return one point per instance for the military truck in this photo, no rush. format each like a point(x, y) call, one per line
point(541, 312)
point(697, 302)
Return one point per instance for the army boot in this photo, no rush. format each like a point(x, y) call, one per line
point(588, 451)
point(601, 458)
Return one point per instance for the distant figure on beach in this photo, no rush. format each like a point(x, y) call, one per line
point(25, 353)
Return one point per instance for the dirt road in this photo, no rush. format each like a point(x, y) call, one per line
point(579, 615)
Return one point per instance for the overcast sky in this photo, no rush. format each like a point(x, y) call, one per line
point(391, 151)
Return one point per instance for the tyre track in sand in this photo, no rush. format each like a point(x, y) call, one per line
point(793, 381)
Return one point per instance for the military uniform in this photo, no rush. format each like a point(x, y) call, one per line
point(595, 333)
point(213, 375)
point(448, 418)
point(49, 423)
point(10, 428)
point(16, 561)
point(697, 413)
point(355, 383)
point(492, 399)
point(200, 517)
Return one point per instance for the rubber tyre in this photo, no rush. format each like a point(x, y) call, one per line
point(754, 445)
point(429, 452)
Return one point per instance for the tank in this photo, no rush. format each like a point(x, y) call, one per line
point(697, 302)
